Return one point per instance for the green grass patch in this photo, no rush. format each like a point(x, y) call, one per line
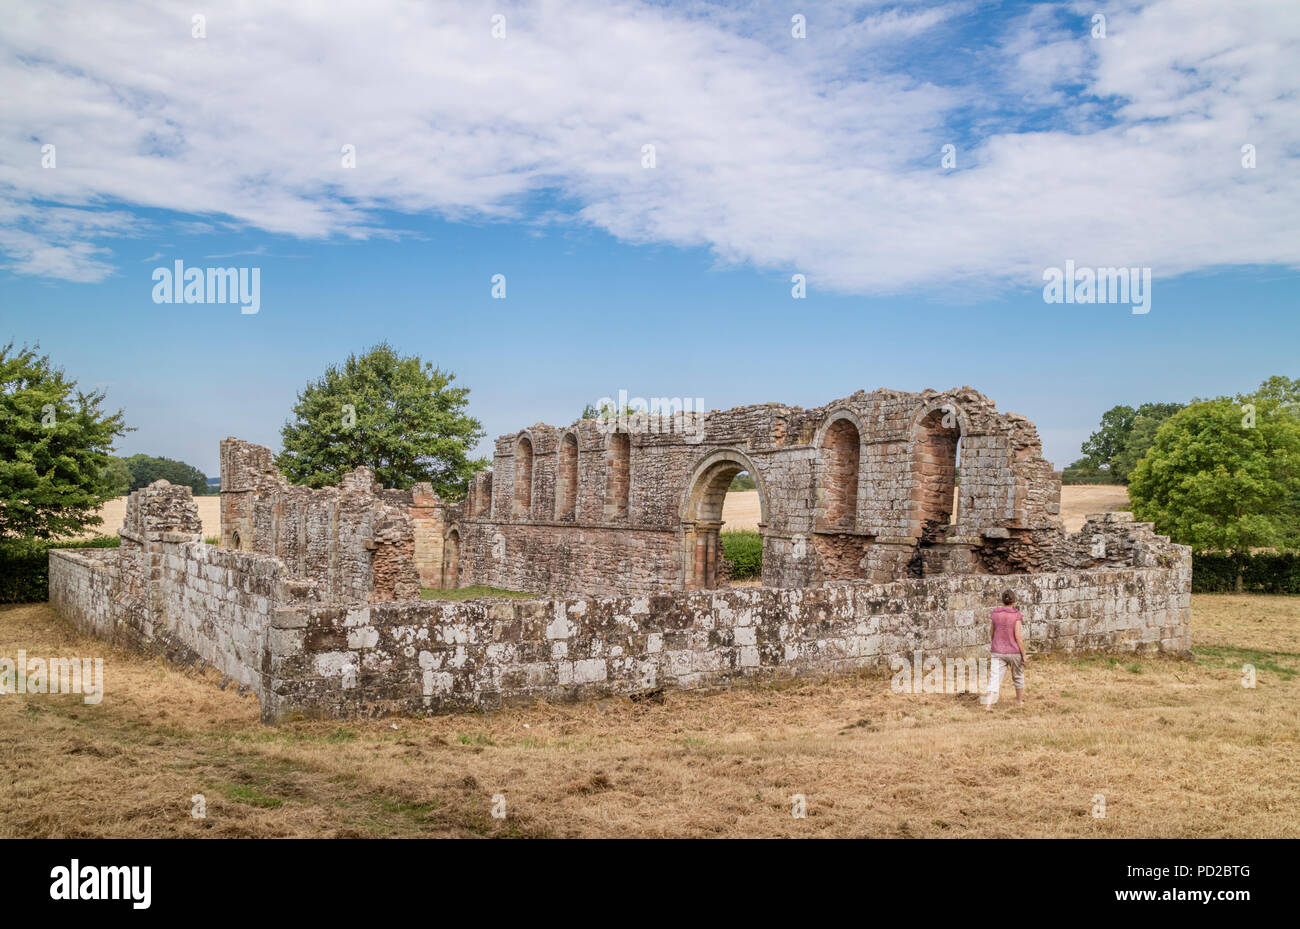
point(471, 593)
point(744, 549)
point(249, 796)
point(1228, 657)
point(478, 738)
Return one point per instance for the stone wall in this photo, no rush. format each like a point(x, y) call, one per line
point(83, 583)
point(166, 592)
point(356, 539)
point(310, 600)
point(479, 654)
point(860, 489)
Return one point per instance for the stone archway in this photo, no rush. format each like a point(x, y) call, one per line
point(702, 515)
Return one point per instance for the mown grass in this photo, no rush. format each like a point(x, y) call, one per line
point(1178, 748)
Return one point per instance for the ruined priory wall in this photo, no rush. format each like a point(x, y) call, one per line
point(1006, 488)
point(165, 591)
point(354, 539)
point(83, 583)
point(447, 656)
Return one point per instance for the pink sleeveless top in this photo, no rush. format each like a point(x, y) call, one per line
point(1004, 631)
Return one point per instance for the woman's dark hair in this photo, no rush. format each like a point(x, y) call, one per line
point(1008, 597)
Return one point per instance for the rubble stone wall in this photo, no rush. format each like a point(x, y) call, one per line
point(441, 656)
point(356, 539)
point(311, 601)
point(854, 490)
point(165, 591)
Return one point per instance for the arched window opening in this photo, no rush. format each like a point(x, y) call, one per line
point(702, 556)
point(935, 451)
point(841, 456)
point(566, 490)
point(451, 561)
point(523, 477)
point(618, 475)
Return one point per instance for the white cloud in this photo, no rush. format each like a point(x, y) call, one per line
point(818, 155)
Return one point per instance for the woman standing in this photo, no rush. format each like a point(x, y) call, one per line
point(1006, 650)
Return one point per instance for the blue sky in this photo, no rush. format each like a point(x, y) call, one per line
point(775, 156)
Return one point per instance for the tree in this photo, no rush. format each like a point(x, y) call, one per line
point(55, 441)
point(398, 415)
point(1218, 481)
point(1113, 451)
point(116, 477)
point(1106, 442)
point(145, 469)
point(1147, 421)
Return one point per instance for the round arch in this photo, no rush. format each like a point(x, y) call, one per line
point(701, 513)
point(934, 442)
point(525, 457)
point(838, 444)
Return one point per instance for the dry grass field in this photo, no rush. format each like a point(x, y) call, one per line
point(741, 509)
point(1178, 748)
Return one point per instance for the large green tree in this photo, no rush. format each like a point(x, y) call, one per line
point(1107, 441)
point(55, 442)
point(1222, 476)
point(398, 415)
point(1122, 439)
point(1147, 421)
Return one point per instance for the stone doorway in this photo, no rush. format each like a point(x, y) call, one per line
point(702, 517)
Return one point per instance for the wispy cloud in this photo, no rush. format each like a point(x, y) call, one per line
point(819, 155)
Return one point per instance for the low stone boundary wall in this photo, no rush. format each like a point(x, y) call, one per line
point(83, 583)
point(410, 657)
point(180, 598)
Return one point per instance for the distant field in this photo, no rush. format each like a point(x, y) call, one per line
point(741, 509)
point(114, 510)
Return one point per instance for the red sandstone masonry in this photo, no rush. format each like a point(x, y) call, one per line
point(860, 489)
point(309, 600)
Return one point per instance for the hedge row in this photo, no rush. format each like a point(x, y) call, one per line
point(744, 549)
point(25, 565)
point(1261, 573)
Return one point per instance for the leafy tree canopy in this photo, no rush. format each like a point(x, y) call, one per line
point(116, 477)
point(398, 415)
point(55, 441)
point(1123, 438)
point(1218, 478)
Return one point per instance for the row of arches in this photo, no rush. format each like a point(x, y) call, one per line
point(935, 452)
point(618, 478)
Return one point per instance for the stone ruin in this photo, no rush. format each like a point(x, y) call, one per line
point(890, 523)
